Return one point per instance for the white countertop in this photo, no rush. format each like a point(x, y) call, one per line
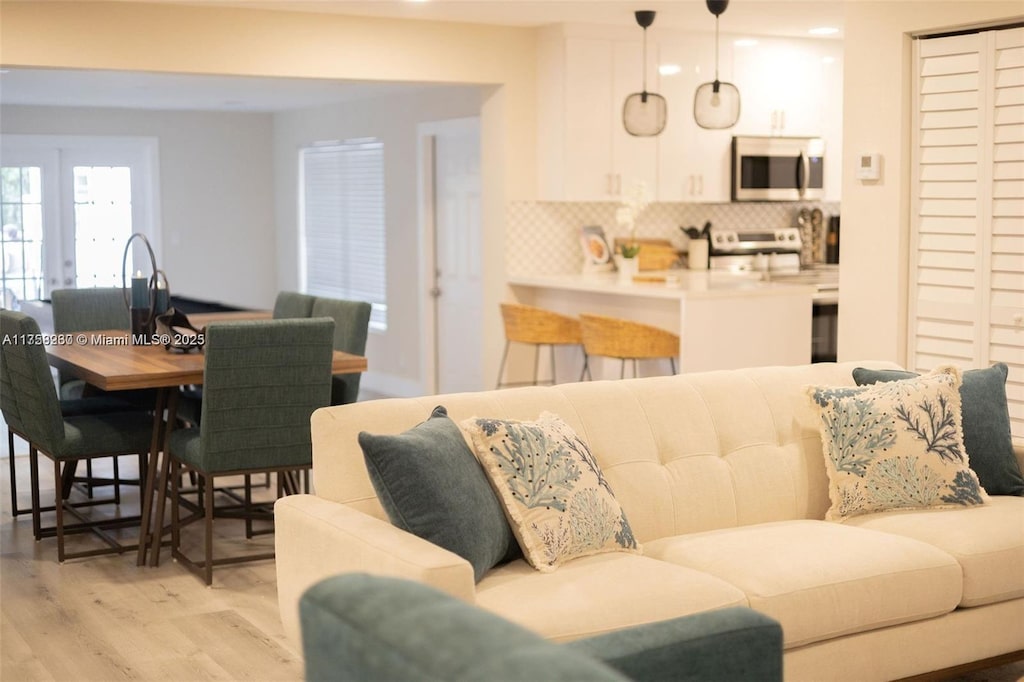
point(681, 284)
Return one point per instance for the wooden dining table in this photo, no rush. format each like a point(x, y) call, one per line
point(109, 361)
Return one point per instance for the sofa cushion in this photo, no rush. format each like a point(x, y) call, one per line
point(431, 485)
point(823, 580)
point(601, 593)
point(556, 497)
point(895, 445)
point(986, 420)
point(988, 541)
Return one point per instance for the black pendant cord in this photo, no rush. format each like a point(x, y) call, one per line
point(643, 67)
point(716, 53)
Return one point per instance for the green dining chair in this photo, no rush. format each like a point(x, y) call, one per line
point(288, 305)
point(86, 310)
point(69, 408)
point(9, 409)
point(65, 440)
point(291, 304)
point(262, 380)
point(351, 327)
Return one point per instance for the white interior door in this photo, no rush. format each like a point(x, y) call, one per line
point(452, 208)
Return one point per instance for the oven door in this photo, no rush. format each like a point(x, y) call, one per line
point(824, 331)
point(777, 169)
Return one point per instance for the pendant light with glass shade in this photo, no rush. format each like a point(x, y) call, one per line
point(644, 113)
point(716, 105)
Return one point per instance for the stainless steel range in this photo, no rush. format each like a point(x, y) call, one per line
point(776, 255)
point(755, 250)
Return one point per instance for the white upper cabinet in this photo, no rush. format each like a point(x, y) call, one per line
point(794, 87)
point(693, 163)
point(787, 87)
point(585, 152)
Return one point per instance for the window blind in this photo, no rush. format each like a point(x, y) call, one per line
point(342, 223)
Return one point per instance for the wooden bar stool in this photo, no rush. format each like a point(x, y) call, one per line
point(627, 340)
point(539, 327)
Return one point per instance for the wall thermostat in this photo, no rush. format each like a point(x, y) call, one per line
point(869, 167)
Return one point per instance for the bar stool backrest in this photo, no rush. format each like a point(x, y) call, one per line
point(617, 338)
point(526, 324)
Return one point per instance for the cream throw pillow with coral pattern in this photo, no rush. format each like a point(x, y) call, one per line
point(896, 445)
point(557, 500)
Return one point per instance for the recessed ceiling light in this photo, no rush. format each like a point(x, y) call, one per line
point(745, 42)
point(669, 69)
point(823, 31)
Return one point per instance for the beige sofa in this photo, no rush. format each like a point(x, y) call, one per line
point(722, 478)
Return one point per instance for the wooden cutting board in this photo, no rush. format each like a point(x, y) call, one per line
point(655, 254)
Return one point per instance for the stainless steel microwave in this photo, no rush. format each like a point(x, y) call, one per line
point(778, 168)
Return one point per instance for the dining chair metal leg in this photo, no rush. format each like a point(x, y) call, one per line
point(58, 505)
point(208, 524)
point(248, 507)
point(33, 465)
point(175, 506)
point(672, 364)
point(536, 363)
point(14, 477)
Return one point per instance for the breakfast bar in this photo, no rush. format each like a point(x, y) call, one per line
point(724, 320)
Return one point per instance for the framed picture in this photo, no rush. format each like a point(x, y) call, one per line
point(597, 254)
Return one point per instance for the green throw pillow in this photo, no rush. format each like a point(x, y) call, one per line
point(986, 421)
point(431, 485)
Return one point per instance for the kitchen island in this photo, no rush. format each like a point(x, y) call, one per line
point(724, 320)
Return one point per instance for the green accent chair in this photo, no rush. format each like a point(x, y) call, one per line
point(65, 439)
point(361, 627)
point(351, 327)
point(291, 304)
point(262, 381)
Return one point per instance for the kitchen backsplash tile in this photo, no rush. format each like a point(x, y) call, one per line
point(542, 237)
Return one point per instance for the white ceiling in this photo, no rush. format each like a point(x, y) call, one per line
point(67, 87)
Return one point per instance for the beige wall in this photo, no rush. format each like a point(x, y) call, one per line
point(394, 355)
point(877, 118)
point(188, 39)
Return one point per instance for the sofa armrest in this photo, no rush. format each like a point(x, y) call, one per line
point(361, 627)
point(315, 538)
point(735, 644)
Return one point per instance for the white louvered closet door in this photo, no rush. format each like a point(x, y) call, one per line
point(967, 243)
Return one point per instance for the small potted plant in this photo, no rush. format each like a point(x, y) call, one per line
point(633, 204)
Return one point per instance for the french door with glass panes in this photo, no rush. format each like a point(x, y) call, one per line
point(69, 205)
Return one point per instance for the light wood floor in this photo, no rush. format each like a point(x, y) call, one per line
point(104, 619)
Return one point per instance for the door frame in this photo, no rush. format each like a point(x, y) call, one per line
point(426, 185)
